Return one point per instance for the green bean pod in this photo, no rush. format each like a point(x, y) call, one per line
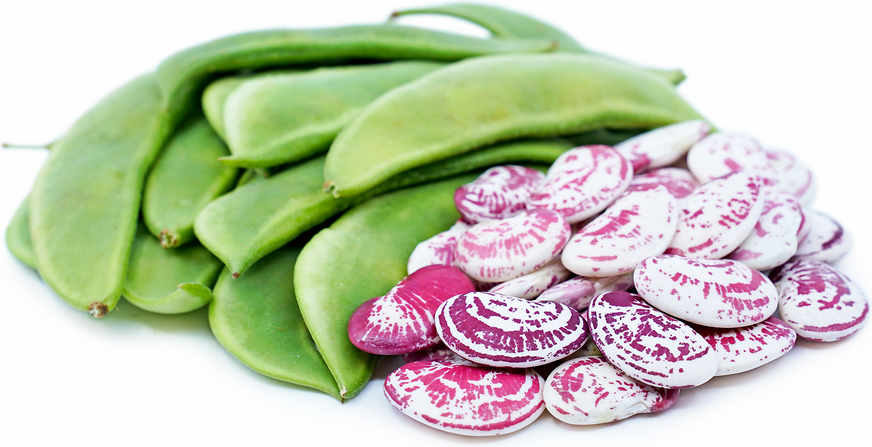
point(257, 320)
point(500, 22)
point(360, 256)
point(252, 221)
point(84, 206)
point(18, 235)
point(490, 99)
point(169, 281)
point(505, 23)
point(275, 119)
point(184, 179)
point(608, 137)
point(214, 98)
point(183, 74)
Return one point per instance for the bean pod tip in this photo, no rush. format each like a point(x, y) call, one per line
point(98, 309)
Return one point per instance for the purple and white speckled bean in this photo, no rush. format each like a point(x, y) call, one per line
point(590, 390)
point(715, 219)
point(438, 250)
point(638, 225)
point(499, 192)
point(578, 292)
point(710, 292)
point(438, 352)
point(501, 331)
point(827, 240)
point(818, 301)
point(774, 239)
point(745, 348)
point(500, 250)
point(402, 321)
point(794, 177)
point(662, 146)
point(679, 182)
point(465, 399)
point(533, 284)
point(724, 152)
point(647, 344)
point(582, 182)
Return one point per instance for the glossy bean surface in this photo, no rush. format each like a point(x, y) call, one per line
point(184, 179)
point(489, 99)
point(183, 74)
point(85, 202)
point(374, 241)
point(258, 320)
point(243, 226)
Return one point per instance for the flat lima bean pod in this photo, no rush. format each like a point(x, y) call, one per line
point(489, 99)
point(169, 281)
point(185, 178)
point(504, 23)
point(183, 74)
point(18, 235)
point(258, 320)
point(245, 225)
point(374, 241)
point(85, 202)
point(276, 119)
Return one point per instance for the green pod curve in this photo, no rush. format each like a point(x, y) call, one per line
point(257, 320)
point(18, 235)
point(251, 175)
point(505, 23)
point(171, 281)
point(184, 179)
point(252, 221)
point(360, 256)
point(84, 206)
point(275, 119)
point(501, 23)
point(183, 74)
point(489, 99)
point(214, 98)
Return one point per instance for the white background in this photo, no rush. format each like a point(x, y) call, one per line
point(796, 76)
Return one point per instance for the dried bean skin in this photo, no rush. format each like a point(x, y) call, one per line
point(169, 281)
point(488, 99)
point(184, 179)
point(182, 75)
point(18, 235)
point(85, 203)
point(374, 241)
point(745, 348)
point(258, 320)
point(250, 222)
point(274, 119)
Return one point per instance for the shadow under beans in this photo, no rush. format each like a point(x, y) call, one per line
point(195, 322)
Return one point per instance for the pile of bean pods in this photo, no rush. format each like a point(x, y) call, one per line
point(493, 304)
point(285, 177)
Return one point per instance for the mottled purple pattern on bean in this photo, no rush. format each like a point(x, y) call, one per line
point(774, 239)
point(710, 292)
point(500, 250)
point(590, 390)
point(725, 152)
point(794, 177)
point(745, 348)
point(827, 239)
point(679, 182)
point(578, 292)
point(403, 320)
point(499, 192)
point(647, 344)
point(582, 182)
point(438, 250)
point(465, 399)
point(502, 331)
point(662, 146)
point(818, 301)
